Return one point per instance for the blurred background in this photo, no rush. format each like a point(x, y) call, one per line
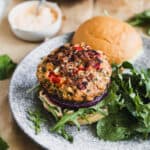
point(74, 12)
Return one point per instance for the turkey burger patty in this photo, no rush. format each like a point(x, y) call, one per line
point(75, 74)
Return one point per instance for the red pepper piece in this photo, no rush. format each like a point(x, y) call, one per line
point(81, 68)
point(54, 77)
point(79, 48)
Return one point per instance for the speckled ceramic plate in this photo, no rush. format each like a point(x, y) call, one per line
point(20, 102)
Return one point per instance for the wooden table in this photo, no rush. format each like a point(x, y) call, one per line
point(75, 12)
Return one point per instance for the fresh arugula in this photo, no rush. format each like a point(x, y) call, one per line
point(60, 125)
point(73, 118)
point(7, 67)
point(37, 119)
point(128, 105)
point(35, 88)
point(141, 20)
point(125, 109)
point(3, 144)
point(114, 127)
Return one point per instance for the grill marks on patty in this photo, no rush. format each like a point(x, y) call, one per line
point(74, 71)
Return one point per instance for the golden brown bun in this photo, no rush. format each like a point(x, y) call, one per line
point(117, 39)
point(90, 118)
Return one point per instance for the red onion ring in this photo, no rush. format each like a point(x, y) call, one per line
point(73, 105)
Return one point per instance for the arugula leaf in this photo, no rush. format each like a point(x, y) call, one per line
point(127, 65)
point(128, 104)
point(64, 133)
point(34, 88)
point(37, 119)
point(114, 127)
point(60, 125)
point(3, 144)
point(73, 118)
point(141, 19)
point(7, 67)
point(68, 118)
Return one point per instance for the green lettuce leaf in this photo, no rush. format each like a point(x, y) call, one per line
point(36, 117)
point(128, 104)
point(141, 20)
point(115, 127)
point(3, 144)
point(59, 127)
point(7, 67)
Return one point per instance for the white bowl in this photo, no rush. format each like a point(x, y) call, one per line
point(29, 35)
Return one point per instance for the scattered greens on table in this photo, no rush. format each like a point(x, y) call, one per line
point(7, 67)
point(3, 144)
point(127, 105)
point(141, 20)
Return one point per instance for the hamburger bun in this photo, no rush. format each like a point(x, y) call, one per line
point(88, 119)
point(117, 39)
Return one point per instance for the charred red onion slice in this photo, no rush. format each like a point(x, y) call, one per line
point(73, 105)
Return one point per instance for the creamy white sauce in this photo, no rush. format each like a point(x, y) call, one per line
point(30, 19)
